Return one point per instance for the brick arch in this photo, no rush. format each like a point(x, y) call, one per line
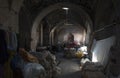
point(51, 8)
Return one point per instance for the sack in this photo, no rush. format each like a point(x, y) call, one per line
point(27, 56)
point(92, 66)
point(34, 70)
point(56, 72)
point(92, 70)
point(79, 54)
point(96, 74)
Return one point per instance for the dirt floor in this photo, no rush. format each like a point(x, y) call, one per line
point(70, 67)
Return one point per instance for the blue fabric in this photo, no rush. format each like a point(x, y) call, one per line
point(17, 62)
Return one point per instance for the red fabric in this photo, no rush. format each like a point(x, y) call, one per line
point(71, 45)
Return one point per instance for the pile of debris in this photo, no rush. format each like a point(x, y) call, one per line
point(69, 52)
point(92, 70)
point(48, 61)
point(38, 64)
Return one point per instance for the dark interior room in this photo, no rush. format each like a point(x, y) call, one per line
point(59, 38)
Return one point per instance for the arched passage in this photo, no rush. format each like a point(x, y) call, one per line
point(61, 31)
point(49, 9)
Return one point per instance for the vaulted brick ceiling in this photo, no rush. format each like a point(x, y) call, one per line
point(36, 6)
point(60, 15)
point(93, 7)
point(89, 5)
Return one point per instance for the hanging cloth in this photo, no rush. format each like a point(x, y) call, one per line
point(3, 48)
point(11, 40)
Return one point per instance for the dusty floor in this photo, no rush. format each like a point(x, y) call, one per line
point(70, 67)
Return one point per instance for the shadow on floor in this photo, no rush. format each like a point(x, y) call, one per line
point(70, 67)
point(71, 75)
